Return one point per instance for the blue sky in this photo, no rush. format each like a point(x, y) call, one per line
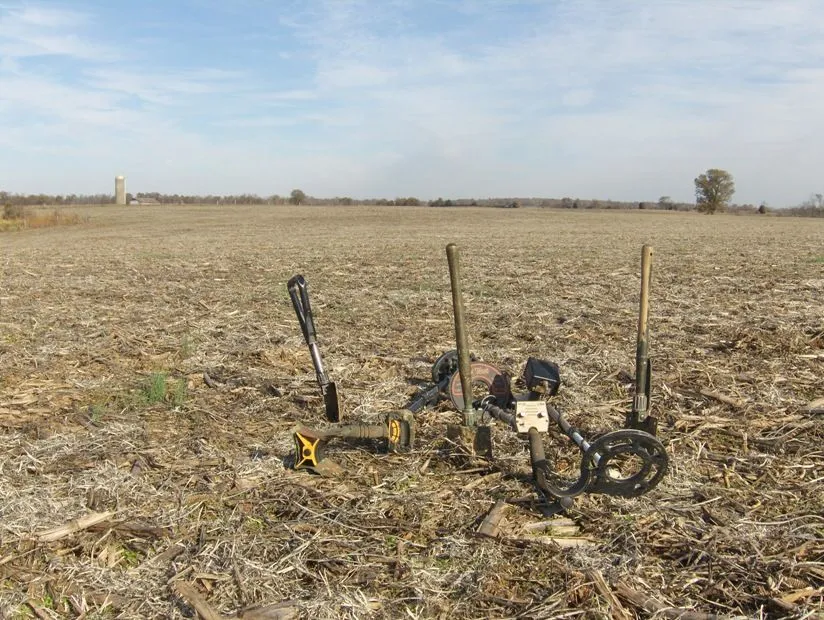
point(620, 99)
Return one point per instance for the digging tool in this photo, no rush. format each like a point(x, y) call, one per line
point(637, 418)
point(310, 444)
point(299, 293)
point(461, 338)
point(471, 431)
point(398, 429)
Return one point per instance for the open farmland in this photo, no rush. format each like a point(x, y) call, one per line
point(107, 329)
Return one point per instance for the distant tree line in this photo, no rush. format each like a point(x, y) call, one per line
point(812, 207)
point(298, 197)
point(713, 191)
point(36, 200)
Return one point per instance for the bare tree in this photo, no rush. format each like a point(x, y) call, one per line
point(713, 190)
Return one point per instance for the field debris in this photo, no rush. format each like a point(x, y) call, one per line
point(152, 369)
point(815, 407)
point(78, 525)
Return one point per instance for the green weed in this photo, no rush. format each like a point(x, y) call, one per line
point(25, 612)
point(96, 413)
point(22, 613)
point(154, 388)
point(179, 393)
point(159, 389)
point(442, 563)
point(131, 558)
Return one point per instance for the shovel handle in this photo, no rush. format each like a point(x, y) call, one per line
point(299, 293)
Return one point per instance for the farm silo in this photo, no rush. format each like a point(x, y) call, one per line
point(120, 190)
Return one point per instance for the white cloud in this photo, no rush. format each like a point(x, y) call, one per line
point(578, 97)
point(60, 102)
point(352, 75)
point(669, 85)
point(47, 17)
point(289, 95)
point(32, 31)
point(167, 88)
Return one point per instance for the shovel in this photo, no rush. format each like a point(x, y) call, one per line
point(300, 300)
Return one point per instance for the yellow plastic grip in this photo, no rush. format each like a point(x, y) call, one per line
point(307, 451)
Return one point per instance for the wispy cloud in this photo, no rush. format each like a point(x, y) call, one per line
point(594, 98)
point(170, 88)
point(32, 31)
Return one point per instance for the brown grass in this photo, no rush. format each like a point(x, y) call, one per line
point(16, 219)
point(205, 504)
point(13, 212)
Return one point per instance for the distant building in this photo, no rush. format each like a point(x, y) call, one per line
point(144, 201)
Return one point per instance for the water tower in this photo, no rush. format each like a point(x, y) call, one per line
point(120, 190)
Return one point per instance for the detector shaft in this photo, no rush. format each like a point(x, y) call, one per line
point(571, 432)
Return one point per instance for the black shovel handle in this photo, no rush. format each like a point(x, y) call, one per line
point(299, 293)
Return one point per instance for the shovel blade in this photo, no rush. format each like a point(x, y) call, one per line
point(332, 402)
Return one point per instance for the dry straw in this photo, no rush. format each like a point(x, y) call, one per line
point(188, 503)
